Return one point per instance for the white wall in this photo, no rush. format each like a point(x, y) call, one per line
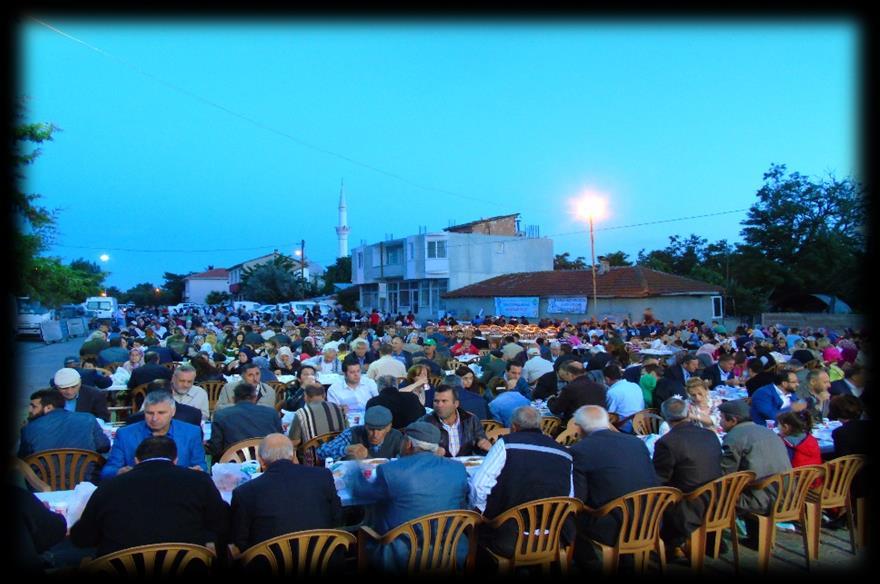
point(198, 290)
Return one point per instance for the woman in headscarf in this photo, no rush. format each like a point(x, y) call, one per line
point(135, 359)
point(245, 356)
point(284, 363)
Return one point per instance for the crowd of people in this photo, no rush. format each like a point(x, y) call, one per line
point(385, 370)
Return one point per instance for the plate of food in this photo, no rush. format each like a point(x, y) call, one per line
point(473, 461)
point(376, 461)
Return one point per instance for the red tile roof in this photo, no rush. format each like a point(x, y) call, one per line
point(215, 274)
point(619, 282)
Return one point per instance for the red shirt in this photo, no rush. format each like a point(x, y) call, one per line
point(459, 350)
point(807, 452)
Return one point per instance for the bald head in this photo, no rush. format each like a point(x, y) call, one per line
point(591, 418)
point(275, 447)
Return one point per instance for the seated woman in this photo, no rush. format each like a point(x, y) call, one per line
point(284, 363)
point(417, 381)
point(245, 356)
point(307, 351)
point(135, 359)
point(469, 381)
point(205, 369)
point(703, 410)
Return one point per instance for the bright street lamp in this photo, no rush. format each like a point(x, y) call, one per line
point(591, 206)
point(104, 257)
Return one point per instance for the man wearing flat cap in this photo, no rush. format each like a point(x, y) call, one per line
point(748, 446)
point(79, 397)
point(91, 377)
point(418, 483)
point(374, 439)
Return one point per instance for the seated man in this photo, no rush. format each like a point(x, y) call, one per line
point(245, 420)
point(250, 373)
point(686, 457)
point(521, 466)
point(158, 412)
point(88, 376)
point(461, 432)
point(580, 390)
point(316, 417)
point(749, 446)
point(149, 371)
point(267, 506)
point(353, 391)
point(416, 484)
point(156, 502)
point(405, 406)
point(771, 400)
point(375, 439)
point(623, 398)
point(79, 397)
point(505, 403)
point(50, 427)
point(607, 465)
point(182, 412)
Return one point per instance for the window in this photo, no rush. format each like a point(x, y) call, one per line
point(717, 307)
point(437, 249)
point(360, 259)
point(499, 248)
point(393, 255)
point(377, 257)
point(412, 253)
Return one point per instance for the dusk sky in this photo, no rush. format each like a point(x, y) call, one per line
point(186, 144)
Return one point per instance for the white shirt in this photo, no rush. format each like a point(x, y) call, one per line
point(355, 399)
point(195, 397)
point(454, 432)
point(386, 365)
point(786, 398)
point(487, 474)
point(535, 368)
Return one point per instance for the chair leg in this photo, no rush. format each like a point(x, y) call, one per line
point(734, 542)
point(639, 559)
point(661, 550)
point(697, 548)
point(565, 555)
point(716, 550)
point(766, 529)
point(609, 560)
point(806, 531)
point(861, 522)
point(812, 526)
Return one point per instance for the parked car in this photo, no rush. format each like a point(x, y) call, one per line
point(185, 306)
point(246, 304)
point(101, 307)
point(31, 314)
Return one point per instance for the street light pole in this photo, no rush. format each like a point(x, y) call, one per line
point(593, 263)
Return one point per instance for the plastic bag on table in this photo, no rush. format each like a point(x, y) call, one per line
point(77, 502)
point(120, 376)
point(227, 476)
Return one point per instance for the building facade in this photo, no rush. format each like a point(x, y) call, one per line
point(198, 286)
point(413, 273)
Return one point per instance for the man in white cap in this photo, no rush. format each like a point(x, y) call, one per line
point(79, 397)
point(535, 367)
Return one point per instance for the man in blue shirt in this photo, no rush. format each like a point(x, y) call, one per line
point(624, 398)
point(503, 406)
point(50, 426)
point(159, 410)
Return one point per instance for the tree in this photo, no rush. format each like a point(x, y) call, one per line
point(348, 298)
point(806, 235)
point(338, 273)
point(618, 259)
point(561, 262)
point(145, 294)
point(216, 297)
point(53, 283)
point(174, 287)
point(35, 224)
point(116, 293)
point(275, 281)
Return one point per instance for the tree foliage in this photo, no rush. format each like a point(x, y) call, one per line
point(53, 283)
point(618, 259)
point(215, 297)
point(174, 286)
point(338, 273)
point(562, 262)
point(145, 294)
point(275, 281)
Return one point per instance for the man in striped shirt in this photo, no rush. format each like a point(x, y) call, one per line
point(316, 417)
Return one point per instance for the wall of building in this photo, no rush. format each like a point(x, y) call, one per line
point(198, 290)
point(503, 226)
point(474, 258)
point(836, 322)
point(675, 308)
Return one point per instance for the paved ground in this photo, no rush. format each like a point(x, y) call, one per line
point(39, 361)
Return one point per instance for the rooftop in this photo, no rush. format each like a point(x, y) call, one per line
point(215, 274)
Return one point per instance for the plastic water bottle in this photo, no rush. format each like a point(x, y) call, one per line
point(328, 462)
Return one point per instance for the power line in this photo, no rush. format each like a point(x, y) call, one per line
point(258, 123)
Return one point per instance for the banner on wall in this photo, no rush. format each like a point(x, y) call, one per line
point(567, 305)
point(516, 306)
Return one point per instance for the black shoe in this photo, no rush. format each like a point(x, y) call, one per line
point(749, 542)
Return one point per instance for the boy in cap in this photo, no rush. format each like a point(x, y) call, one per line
point(374, 439)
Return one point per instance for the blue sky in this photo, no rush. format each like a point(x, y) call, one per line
point(181, 135)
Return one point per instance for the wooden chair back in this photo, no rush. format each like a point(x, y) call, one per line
point(569, 436)
point(213, 389)
point(493, 435)
point(156, 560)
point(30, 477)
point(433, 541)
point(435, 380)
point(484, 352)
point(137, 396)
point(301, 552)
point(720, 497)
point(313, 445)
point(647, 422)
point(550, 425)
point(640, 514)
point(792, 488)
point(280, 389)
point(64, 468)
point(839, 474)
point(242, 451)
point(538, 528)
point(489, 425)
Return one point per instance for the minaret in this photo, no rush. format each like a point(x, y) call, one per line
point(342, 230)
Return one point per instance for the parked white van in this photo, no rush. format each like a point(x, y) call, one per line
point(101, 307)
point(246, 304)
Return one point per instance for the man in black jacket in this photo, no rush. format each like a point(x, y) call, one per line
point(580, 390)
point(155, 502)
point(607, 465)
point(686, 457)
point(469, 438)
point(81, 398)
point(674, 378)
point(268, 506)
point(88, 376)
point(404, 405)
point(244, 420)
point(149, 371)
point(721, 373)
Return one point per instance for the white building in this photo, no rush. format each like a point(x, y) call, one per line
point(198, 286)
point(411, 273)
